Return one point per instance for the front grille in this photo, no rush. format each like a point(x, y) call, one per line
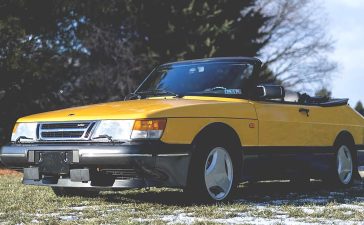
point(65, 125)
point(76, 131)
point(62, 134)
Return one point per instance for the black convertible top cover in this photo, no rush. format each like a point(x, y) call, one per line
point(334, 102)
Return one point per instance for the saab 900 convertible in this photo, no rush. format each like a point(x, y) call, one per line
point(202, 125)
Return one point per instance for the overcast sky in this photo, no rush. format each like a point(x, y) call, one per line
point(346, 26)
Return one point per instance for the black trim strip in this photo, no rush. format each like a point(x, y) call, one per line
point(258, 150)
point(334, 102)
point(135, 147)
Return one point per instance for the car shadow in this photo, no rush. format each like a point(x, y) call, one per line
point(264, 193)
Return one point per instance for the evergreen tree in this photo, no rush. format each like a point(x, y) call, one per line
point(198, 29)
point(359, 107)
point(323, 92)
point(56, 53)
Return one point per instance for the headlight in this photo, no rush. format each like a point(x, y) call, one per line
point(148, 129)
point(122, 130)
point(116, 130)
point(27, 132)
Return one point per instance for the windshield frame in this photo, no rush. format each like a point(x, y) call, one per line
point(256, 63)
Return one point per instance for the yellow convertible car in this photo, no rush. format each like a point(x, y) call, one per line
point(202, 125)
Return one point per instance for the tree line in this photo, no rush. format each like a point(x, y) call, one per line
point(359, 107)
point(61, 53)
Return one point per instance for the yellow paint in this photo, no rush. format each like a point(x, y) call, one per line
point(283, 124)
point(184, 130)
point(275, 124)
point(152, 108)
point(275, 118)
point(327, 123)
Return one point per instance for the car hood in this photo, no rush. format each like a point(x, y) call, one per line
point(152, 108)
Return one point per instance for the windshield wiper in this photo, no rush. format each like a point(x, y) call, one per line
point(132, 96)
point(157, 92)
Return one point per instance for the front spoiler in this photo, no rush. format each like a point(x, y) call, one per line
point(118, 184)
point(157, 163)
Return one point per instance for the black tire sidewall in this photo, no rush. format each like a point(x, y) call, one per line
point(196, 186)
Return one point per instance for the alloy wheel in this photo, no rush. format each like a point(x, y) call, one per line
point(219, 173)
point(344, 165)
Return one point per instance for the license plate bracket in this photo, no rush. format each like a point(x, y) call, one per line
point(53, 162)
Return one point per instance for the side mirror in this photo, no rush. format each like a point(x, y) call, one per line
point(270, 91)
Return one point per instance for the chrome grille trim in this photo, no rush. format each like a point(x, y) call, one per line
point(66, 131)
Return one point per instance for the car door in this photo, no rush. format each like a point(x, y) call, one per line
point(282, 124)
point(283, 135)
point(326, 124)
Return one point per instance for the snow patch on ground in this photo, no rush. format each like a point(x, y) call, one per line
point(68, 218)
point(310, 206)
point(244, 218)
point(79, 208)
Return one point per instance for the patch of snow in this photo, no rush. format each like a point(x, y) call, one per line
point(337, 193)
point(348, 213)
point(245, 218)
point(79, 208)
point(318, 200)
point(182, 218)
point(359, 199)
point(68, 218)
point(351, 206)
point(309, 210)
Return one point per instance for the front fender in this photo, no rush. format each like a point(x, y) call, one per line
point(184, 130)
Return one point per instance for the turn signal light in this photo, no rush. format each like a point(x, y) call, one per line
point(148, 128)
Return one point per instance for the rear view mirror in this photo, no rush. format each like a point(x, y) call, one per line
point(270, 91)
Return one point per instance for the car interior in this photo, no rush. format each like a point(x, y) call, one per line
point(305, 99)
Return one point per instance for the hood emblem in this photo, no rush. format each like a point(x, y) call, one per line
point(71, 114)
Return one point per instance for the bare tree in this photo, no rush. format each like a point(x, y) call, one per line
point(297, 44)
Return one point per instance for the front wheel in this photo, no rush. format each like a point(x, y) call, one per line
point(214, 173)
point(219, 173)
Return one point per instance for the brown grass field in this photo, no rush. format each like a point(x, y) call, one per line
point(256, 203)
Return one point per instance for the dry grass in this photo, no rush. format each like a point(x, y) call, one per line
point(260, 203)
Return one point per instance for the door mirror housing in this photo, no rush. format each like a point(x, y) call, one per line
point(270, 92)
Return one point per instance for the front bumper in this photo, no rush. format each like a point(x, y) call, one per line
point(105, 165)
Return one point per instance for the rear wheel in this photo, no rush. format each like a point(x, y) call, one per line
point(344, 166)
point(71, 192)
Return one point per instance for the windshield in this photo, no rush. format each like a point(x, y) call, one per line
point(198, 79)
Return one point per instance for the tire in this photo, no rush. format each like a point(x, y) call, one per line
point(345, 163)
point(214, 171)
point(73, 192)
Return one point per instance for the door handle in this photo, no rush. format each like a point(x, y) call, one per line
point(304, 110)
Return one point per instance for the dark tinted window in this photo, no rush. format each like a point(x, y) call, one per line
point(201, 78)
